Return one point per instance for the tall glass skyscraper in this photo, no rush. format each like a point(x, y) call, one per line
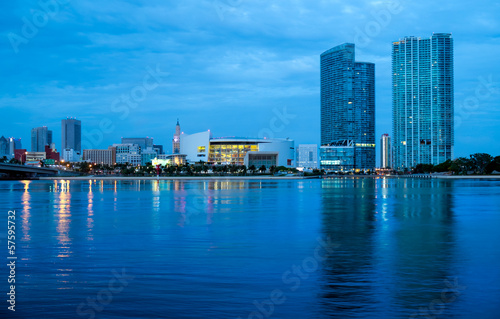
point(40, 136)
point(348, 103)
point(71, 134)
point(422, 100)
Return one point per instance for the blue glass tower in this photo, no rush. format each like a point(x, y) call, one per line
point(422, 100)
point(348, 103)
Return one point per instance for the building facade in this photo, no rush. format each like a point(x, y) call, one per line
point(142, 142)
point(236, 150)
point(338, 156)
point(385, 151)
point(40, 136)
point(422, 100)
point(70, 155)
point(348, 103)
point(71, 134)
point(4, 147)
point(307, 156)
point(128, 153)
point(107, 157)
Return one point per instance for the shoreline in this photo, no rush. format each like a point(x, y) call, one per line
point(136, 178)
point(122, 178)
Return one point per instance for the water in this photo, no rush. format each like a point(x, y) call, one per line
point(337, 248)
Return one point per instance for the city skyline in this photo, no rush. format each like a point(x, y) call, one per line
point(226, 68)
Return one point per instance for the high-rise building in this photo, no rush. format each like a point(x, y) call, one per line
point(348, 103)
point(422, 100)
point(71, 134)
point(176, 142)
point(40, 136)
point(307, 155)
point(385, 151)
point(4, 147)
point(14, 144)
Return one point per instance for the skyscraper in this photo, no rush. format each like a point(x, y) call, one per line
point(385, 151)
point(176, 142)
point(40, 136)
point(348, 103)
point(422, 100)
point(71, 134)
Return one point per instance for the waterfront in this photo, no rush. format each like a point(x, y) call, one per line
point(333, 248)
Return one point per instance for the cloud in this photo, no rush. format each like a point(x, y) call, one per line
point(228, 60)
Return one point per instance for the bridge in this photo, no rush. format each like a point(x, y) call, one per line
point(14, 170)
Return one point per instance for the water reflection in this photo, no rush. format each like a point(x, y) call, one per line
point(64, 219)
point(90, 212)
point(396, 244)
point(348, 207)
point(225, 244)
point(26, 214)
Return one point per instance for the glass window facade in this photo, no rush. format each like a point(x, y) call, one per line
point(230, 153)
point(348, 102)
point(338, 158)
point(422, 100)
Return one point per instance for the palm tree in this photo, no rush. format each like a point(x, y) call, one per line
point(252, 168)
point(262, 169)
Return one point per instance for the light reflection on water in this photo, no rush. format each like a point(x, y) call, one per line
point(211, 248)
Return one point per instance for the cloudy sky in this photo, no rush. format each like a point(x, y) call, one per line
point(236, 67)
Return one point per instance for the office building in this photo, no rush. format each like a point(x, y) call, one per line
point(237, 150)
point(159, 149)
point(348, 104)
point(142, 142)
point(4, 147)
point(422, 100)
point(147, 155)
point(385, 151)
point(106, 157)
point(128, 153)
point(70, 155)
point(307, 156)
point(71, 134)
point(8, 146)
point(40, 136)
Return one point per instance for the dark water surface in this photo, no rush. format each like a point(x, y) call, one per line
point(337, 248)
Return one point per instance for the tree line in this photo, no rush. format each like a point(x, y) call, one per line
point(478, 164)
point(197, 169)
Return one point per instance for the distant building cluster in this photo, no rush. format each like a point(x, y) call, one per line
point(422, 122)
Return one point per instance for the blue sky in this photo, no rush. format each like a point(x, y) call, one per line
point(236, 67)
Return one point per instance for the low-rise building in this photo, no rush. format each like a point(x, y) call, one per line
point(338, 156)
point(70, 155)
point(106, 157)
point(307, 156)
point(237, 150)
